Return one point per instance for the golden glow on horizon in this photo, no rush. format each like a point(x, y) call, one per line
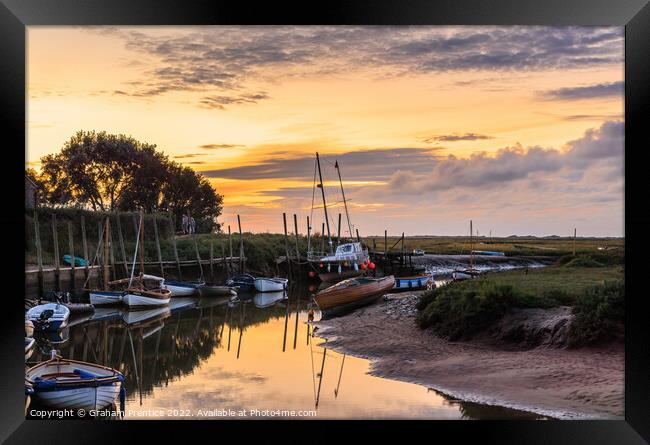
point(73, 75)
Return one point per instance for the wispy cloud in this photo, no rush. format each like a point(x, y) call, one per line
point(456, 137)
point(219, 102)
point(598, 91)
point(218, 146)
point(225, 59)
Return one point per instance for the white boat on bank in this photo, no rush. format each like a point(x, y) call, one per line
point(70, 384)
point(271, 284)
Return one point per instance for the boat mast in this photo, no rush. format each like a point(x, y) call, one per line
point(471, 245)
point(345, 204)
point(106, 252)
point(322, 189)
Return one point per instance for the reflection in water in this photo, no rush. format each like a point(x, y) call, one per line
point(178, 358)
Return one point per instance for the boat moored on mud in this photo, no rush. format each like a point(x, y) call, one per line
point(352, 293)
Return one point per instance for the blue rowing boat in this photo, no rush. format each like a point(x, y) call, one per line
point(78, 262)
point(487, 252)
point(414, 282)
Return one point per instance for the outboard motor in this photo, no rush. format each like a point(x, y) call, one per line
point(42, 323)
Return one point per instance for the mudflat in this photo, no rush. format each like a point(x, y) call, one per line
point(584, 383)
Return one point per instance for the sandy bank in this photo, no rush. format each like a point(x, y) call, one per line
point(561, 383)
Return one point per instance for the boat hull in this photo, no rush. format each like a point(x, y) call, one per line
point(133, 299)
point(29, 328)
point(270, 285)
point(105, 298)
point(70, 384)
point(334, 276)
point(98, 398)
point(57, 321)
point(413, 283)
point(182, 289)
point(338, 296)
point(217, 291)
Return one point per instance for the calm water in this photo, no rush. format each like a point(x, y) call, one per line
point(202, 358)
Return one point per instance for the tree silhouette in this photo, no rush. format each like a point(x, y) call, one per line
point(107, 172)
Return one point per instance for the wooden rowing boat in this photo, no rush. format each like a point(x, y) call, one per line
point(70, 384)
point(352, 293)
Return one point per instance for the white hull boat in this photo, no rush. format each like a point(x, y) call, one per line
point(141, 299)
point(69, 384)
point(268, 299)
point(105, 298)
point(49, 316)
point(182, 289)
point(271, 284)
point(29, 328)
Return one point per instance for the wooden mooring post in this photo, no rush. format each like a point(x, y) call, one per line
point(286, 246)
point(120, 238)
point(295, 225)
point(230, 246)
point(358, 237)
point(385, 242)
point(84, 244)
point(39, 254)
point(211, 260)
point(223, 258)
point(242, 265)
point(198, 257)
point(71, 248)
point(112, 251)
point(172, 228)
point(155, 233)
point(55, 241)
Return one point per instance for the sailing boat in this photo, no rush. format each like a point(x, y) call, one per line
point(137, 294)
point(471, 272)
point(350, 259)
point(106, 296)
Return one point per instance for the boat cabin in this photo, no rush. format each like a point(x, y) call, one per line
point(347, 252)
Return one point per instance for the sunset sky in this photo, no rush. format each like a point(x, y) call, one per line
point(518, 128)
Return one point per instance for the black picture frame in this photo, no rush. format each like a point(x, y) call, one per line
point(15, 15)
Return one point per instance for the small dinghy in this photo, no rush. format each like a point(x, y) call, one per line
point(244, 283)
point(352, 293)
point(213, 290)
point(29, 347)
point(49, 316)
point(78, 262)
point(465, 274)
point(270, 284)
point(137, 297)
point(413, 283)
point(268, 299)
point(70, 384)
point(106, 297)
point(183, 288)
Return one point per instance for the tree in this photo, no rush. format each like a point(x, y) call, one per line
point(116, 172)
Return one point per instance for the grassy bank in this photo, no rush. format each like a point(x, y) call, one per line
point(463, 309)
point(551, 246)
point(260, 249)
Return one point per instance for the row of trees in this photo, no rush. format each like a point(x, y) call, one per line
point(107, 172)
